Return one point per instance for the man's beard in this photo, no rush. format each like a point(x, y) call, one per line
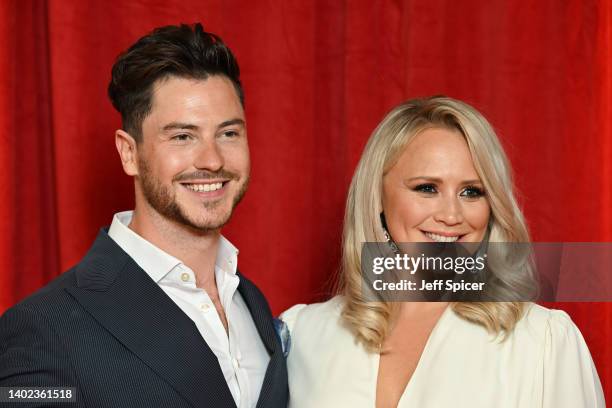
point(163, 198)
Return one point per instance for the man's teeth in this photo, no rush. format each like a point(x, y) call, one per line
point(204, 187)
point(440, 238)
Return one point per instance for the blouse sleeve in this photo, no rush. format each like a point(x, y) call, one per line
point(290, 315)
point(570, 378)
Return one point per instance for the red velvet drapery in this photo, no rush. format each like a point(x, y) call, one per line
point(318, 77)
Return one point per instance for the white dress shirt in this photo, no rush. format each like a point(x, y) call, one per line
point(242, 356)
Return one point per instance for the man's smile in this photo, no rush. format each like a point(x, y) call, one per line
point(208, 189)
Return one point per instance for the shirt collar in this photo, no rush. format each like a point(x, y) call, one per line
point(156, 262)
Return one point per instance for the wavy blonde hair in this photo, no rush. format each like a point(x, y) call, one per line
point(371, 321)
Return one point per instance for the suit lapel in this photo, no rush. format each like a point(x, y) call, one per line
point(275, 380)
point(132, 307)
point(260, 312)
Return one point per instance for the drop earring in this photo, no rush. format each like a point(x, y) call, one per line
point(387, 235)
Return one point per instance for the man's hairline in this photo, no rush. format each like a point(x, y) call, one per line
point(164, 78)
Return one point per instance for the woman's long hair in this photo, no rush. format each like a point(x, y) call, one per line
point(371, 321)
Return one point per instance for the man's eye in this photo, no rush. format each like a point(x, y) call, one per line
point(182, 137)
point(426, 188)
point(472, 192)
point(230, 133)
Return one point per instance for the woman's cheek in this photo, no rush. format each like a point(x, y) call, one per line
point(477, 215)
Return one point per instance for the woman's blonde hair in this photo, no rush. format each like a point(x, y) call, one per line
point(371, 321)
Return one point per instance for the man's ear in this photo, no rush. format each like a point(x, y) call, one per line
point(126, 146)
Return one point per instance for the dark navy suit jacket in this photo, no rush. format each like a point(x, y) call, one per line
point(106, 328)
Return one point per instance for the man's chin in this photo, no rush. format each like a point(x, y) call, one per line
point(211, 225)
point(204, 216)
point(208, 222)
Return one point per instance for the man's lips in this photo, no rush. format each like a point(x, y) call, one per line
point(205, 186)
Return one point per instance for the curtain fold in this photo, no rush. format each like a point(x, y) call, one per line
point(30, 255)
point(318, 77)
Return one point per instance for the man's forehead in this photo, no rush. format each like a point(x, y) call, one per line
point(195, 102)
point(170, 82)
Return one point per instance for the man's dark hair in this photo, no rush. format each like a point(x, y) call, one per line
point(183, 51)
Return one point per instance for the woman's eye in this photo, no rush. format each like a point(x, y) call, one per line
point(472, 192)
point(426, 188)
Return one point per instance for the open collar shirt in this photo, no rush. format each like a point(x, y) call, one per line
point(242, 355)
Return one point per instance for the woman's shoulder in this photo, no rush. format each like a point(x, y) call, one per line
point(546, 325)
point(557, 335)
point(538, 330)
point(569, 377)
point(545, 353)
point(327, 367)
point(324, 313)
point(540, 335)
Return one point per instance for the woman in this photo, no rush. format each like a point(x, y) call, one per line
point(434, 171)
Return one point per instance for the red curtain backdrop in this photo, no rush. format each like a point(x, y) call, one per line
point(318, 77)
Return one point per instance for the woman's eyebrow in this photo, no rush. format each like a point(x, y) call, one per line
point(440, 181)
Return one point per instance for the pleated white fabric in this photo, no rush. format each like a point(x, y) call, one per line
point(543, 363)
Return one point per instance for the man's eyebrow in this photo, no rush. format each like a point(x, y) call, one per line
point(231, 122)
point(188, 126)
point(179, 125)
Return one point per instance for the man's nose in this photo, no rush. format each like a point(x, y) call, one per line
point(209, 156)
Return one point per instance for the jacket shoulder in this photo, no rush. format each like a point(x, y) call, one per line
point(49, 295)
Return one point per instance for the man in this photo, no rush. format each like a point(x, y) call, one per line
point(156, 314)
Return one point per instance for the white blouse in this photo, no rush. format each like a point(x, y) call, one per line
point(543, 363)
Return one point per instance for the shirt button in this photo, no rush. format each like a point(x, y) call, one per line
point(185, 277)
point(204, 307)
point(236, 363)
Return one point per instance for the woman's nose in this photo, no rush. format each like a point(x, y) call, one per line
point(449, 211)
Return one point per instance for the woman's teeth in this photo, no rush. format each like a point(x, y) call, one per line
point(204, 187)
point(440, 238)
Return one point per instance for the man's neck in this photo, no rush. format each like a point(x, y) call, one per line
point(196, 249)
